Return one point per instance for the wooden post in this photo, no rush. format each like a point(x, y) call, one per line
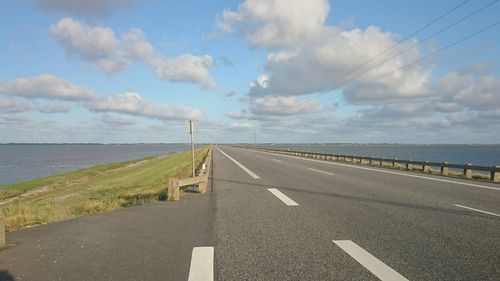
point(173, 190)
point(425, 167)
point(409, 165)
point(444, 169)
point(2, 230)
point(394, 162)
point(495, 174)
point(381, 160)
point(468, 171)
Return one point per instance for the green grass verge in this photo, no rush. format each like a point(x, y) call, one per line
point(96, 189)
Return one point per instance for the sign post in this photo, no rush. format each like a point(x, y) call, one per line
point(192, 128)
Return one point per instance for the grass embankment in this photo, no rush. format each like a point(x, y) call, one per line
point(96, 189)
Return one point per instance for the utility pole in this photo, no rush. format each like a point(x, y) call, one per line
point(192, 129)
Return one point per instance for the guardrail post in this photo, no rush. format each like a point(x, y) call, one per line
point(425, 167)
point(2, 231)
point(394, 162)
point(173, 190)
point(409, 165)
point(444, 169)
point(468, 171)
point(381, 160)
point(495, 174)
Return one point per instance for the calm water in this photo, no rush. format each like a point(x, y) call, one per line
point(29, 161)
point(459, 154)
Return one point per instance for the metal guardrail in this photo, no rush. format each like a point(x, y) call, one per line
point(409, 165)
point(174, 184)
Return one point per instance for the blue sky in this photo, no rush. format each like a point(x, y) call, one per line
point(124, 71)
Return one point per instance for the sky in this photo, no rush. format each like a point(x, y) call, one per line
point(301, 71)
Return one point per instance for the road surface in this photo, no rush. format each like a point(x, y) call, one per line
point(276, 217)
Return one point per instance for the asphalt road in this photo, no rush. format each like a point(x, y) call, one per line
point(409, 224)
point(275, 217)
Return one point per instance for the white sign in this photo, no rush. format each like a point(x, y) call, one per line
point(192, 126)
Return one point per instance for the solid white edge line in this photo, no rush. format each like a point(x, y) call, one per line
point(323, 172)
point(285, 199)
point(370, 262)
point(390, 172)
point(202, 264)
point(477, 210)
point(252, 174)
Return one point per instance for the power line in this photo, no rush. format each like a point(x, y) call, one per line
point(413, 46)
point(399, 42)
point(420, 42)
point(428, 55)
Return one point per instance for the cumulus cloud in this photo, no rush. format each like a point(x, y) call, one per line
point(87, 7)
point(384, 94)
point(111, 53)
point(55, 108)
point(184, 68)
point(240, 126)
point(50, 87)
point(471, 91)
point(45, 86)
point(282, 106)
point(321, 64)
point(231, 93)
point(132, 103)
point(117, 120)
point(270, 23)
point(9, 105)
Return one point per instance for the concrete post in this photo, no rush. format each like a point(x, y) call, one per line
point(425, 167)
point(468, 171)
point(495, 174)
point(444, 169)
point(409, 165)
point(202, 187)
point(173, 190)
point(2, 230)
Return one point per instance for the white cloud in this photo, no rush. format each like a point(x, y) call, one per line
point(321, 64)
point(472, 90)
point(90, 43)
point(9, 105)
point(184, 68)
point(231, 93)
point(132, 103)
point(240, 126)
point(87, 7)
point(45, 86)
point(381, 95)
point(54, 88)
point(110, 53)
point(269, 23)
point(282, 106)
point(117, 120)
point(55, 108)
